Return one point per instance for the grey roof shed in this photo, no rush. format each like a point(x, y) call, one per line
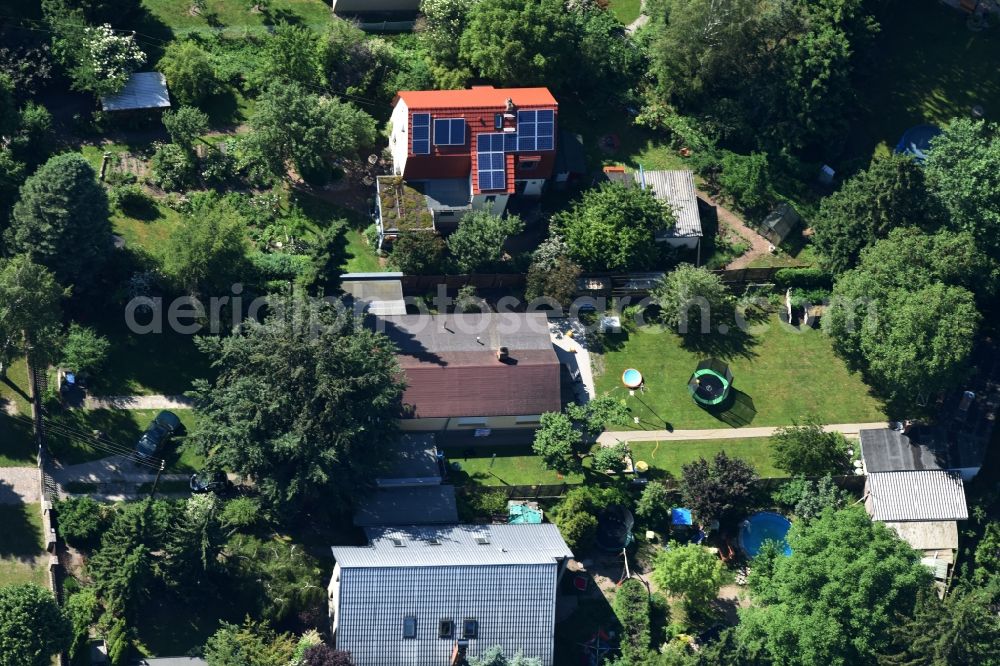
point(144, 90)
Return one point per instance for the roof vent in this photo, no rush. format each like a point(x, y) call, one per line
point(482, 541)
point(398, 543)
point(433, 541)
point(503, 354)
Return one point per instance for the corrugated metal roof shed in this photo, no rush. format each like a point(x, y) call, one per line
point(676, 188)
point(906, 496)
point(144, 90)
point(419, 504)
point(456, 545)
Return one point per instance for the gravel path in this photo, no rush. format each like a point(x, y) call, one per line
point(19, 485)
point(613, 437)
point(639, 22)
point(759, 246)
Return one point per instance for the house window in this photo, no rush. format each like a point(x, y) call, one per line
point(528, 164)
point(421, 133)
point(531, 418)
point(446, 629)
point(410, 626)
point(470, 628)
point(498, 121)
point(472, 421)
point(449, 132)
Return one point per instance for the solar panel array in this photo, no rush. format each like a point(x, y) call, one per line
point(535, 130)
point(421, 133)
point(491, 163)
point(449, 131)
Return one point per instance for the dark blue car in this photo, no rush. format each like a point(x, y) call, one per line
point(165, 425)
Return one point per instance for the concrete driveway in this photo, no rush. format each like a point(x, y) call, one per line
point(570, 342)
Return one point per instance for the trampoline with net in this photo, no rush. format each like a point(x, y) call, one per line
point(710, 383)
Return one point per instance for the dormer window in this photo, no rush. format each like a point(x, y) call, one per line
point(470, 628)
point(446, 629)
point(449, 132)
point(410, 626)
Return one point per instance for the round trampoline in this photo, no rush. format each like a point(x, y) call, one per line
point(760, 527)
point(916, 141)
point(710, 383)
point(632, 378)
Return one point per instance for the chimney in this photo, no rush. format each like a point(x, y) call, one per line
point(503, 354)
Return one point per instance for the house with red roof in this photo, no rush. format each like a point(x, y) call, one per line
point(459, 150)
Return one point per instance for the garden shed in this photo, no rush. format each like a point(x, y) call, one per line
point(780, 223)
point(144, 90)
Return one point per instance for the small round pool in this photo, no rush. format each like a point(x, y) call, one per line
point(761, 527)
point(632, 378)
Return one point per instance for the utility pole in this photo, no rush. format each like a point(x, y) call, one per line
point(159, 471)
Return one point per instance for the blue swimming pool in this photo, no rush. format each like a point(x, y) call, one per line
point(761, 527)
point(632, 378)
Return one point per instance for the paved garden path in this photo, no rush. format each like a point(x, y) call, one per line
point(639, 22)
point(139, 402)
point(572, 352)
point(19, 485)
point(613, 437)
point(113, 469)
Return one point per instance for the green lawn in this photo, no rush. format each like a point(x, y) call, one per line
point(235, 13)
point(360, 257)
point(780, 375)
point(123, 427)
point(148, 229)
point(22, 548)
point(514, 466)
point(667, 457)
point(626, 10)
point(928, 67)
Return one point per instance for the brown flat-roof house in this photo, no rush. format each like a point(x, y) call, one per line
point(475, 371)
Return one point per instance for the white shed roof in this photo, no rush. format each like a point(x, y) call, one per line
point(677, 189)
point(932, 495)
point(144, 90)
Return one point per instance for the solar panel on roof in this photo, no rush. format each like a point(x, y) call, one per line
point(535, 130)
point(490, 162)
point(421, 133)
point(449, 132)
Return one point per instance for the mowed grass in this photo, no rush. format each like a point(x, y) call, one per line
point(22, 548)
point(667, 457)
point(780, 376)
point(360, 257)
point(515, 466)
point(236, 13)
point(928, 67)
point(626, 10)
point(71, 432)
point(149, 228)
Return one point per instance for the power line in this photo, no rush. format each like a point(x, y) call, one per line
point(101, 444)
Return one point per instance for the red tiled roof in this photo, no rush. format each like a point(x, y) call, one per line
point(458, 384)
point(475, 98)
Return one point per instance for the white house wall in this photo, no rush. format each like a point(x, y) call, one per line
point(399, 144)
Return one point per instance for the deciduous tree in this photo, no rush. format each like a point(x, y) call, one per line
point(891, 193)
point(185, 126)
point(30, 310)
point(189, 71)
point(614, 227)
point(558, 443)
point(478, 243)
point(718, 490)
point(85, 350)
point(690, 571)
point(249, 644)
point(419, 253)
point(834, 599)
point(33, 628)
point(208, 252)
point(692, 299)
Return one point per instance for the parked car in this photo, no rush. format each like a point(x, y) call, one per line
point(163, 427)
point(207, 482)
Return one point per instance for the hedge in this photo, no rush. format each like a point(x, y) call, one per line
point(277, 266)
point(803, 278)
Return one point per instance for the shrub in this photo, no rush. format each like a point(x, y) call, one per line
point(218, 168)
point(173, 168)
point(129, 199)
point(631, 606)
point(745, 178)
point(82, 521)
point(280, 266)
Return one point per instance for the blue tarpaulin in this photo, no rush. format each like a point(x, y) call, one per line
point(679, 516)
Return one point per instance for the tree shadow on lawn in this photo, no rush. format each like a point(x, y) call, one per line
point(733, 343)
point(71, 439)
point(22, 537)
point(17, 444)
